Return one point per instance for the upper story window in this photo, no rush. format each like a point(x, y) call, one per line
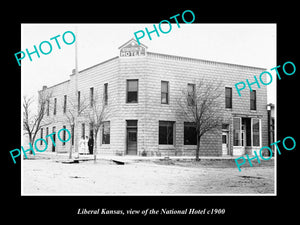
point(132, 91)
point(78, 101)
point(55, 101)
point(228, 97)
point(91, 96)
point(253, 100)
point(65, 103)
point(105, 94)
point(164, 92)
point(48, 107)
point(191, 94)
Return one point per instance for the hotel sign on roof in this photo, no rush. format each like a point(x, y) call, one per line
point(132, 48)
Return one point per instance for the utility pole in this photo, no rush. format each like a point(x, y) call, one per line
point(76, 98)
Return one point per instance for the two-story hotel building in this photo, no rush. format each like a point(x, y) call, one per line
point(140, 88)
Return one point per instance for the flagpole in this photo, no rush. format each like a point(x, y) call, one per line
point(76, 96)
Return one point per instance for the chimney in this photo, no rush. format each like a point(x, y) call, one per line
point(44, 87)
point(73, 71)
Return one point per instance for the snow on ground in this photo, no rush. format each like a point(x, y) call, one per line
point(48, 177)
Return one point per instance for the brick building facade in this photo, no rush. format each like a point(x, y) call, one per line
point(140, 89)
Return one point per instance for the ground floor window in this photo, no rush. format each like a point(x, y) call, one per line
point(64, 135)
point(246, 131)
point(190, 134)
point(236, 131)
point(72, 134)
point(41, 142)
point(166, 129)
point(255, 132)
point(83, 130)
point(106, 132)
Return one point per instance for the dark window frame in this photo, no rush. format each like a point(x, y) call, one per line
point(91, 96)
point(228, 99)
point(83, 130)
point(47, 133)
point(41, 141)
point(191, 95)
point(78, 101)
point(187, 137)
point(65, 104)
point(105, 93)
point(54, 108)
point(253, 98)
point(256, 132)
point(164, 93)
point(105, 136)
point(48, 107)
point(127, 91)
point(169, 127)
point(64, 135)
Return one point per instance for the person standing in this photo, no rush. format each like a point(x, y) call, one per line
point(91, 145)
point(81, 145)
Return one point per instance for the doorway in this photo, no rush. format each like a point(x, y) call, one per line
point(225, 143)
point(131, 137)
point(54, 137)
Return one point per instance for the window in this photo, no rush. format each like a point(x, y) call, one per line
point(41, 142)
point(105, 94)
point(72, 134)
point(228, 98)
point(164, 92)
point(166, 132)
point(190, 133)
point(54, 111)
point(255, 132)
point(253, 100)
point(65, 103)
point(106, 132)
point(191, 94)
point(91, 96)
point(48, 107)
point(236, 131)
point(83, 130)
point(131, 123)
point(64, 135)
point(132, 91)
point(47, 133)
point(225, 126)
point(224, 139)
point(78, 100)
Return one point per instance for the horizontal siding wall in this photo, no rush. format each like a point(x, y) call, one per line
point(179, 72)
point(150, 71)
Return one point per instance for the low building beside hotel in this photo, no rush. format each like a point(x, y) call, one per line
point(140, 88)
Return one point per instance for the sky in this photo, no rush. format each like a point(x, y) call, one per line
point(244, 44)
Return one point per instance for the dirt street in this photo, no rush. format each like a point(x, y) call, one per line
point(47, 177)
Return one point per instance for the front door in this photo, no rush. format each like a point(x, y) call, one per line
point(131, 141)
point(225, 143)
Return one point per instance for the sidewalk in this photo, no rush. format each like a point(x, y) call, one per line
point(64, 157)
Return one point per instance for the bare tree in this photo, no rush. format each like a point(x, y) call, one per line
point(33, 122)
point(201, 105)
point(98, 113)
point(73, 108)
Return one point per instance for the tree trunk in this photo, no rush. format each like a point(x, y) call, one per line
point(31, 142)
point(95, 146)
point(72, 139)
point(198, 149)
point(70, 153)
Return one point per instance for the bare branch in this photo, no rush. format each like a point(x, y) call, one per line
point(202, 107)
